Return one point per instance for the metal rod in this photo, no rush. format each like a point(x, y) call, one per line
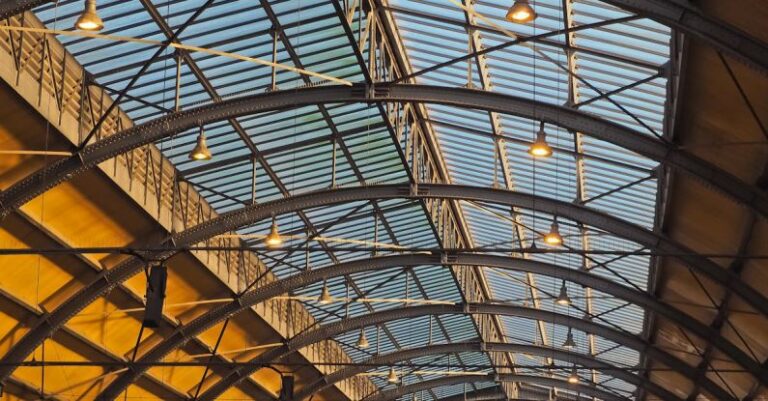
point(140, 250)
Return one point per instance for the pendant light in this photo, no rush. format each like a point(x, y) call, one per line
point(362, 341)
point(325, 297)
point(89, 19)
point(553, 237)
point(569, 342)
point(573, 378)
point(540, 148)
point(562, 298)
point(521, 12)
point(274, 239)
point(200, 151)
point(392, 376)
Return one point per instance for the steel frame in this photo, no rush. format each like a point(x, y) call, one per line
point(254, 213)
point(333, 329)
point(439, 349)
point(721, 36)
point(289, 284)
point(10, 8)
point(749, 50)
point(256, 154)
point(718, 34)
point(162, 127)
point(397, 392)
point(421, 137)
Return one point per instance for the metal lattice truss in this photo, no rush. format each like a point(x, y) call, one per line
point(425, 149)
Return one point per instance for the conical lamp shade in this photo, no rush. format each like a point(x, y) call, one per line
point(563, 298)
point(200, 151)
point(540, 147)
point(325, 296)
point(553, 237)
point(573, 378)
point(569, 343)
point(521, 12)
point(89, 20)
point(392, 376)
point(362, 342)
point(274, 239)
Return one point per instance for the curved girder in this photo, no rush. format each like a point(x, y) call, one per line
point(289, 284)
point(9, 8)
point(453, 348)
point(108, 279)
point(330, 330)
point(399, 391)
point(162, 127)
point(486, 394)
point(723, 37)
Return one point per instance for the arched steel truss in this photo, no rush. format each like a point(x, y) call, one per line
point(399, 391)
point(227, 222)
point(134, 137)
point(723, 37)
point(336, 328)
point(441, 349)
point(163, 347)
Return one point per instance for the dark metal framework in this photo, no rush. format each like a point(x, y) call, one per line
point(439, 349)
point(10, 8)
point(393, 394)
point(687, 19)
point(254, 213)
point(726, 39)
point(288, 285)
point(166, 126)
point(718, 34)
point(333, 329)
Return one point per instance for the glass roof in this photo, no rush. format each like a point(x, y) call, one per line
point(614, 71)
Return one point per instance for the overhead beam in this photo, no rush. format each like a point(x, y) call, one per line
point(722, 36)
point(230, 221)
point(440, 349)
point(9, 8)
point(331, 330)
point(163, 127)
point(399, 391)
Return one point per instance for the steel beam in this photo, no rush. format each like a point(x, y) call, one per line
point(399, 391)
point(9, 8)
point(230, 221)
point(165, 126)
point(287, 285)
point(723, 37)
point(429, 350)
point(486, 394)
point(336, 328)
